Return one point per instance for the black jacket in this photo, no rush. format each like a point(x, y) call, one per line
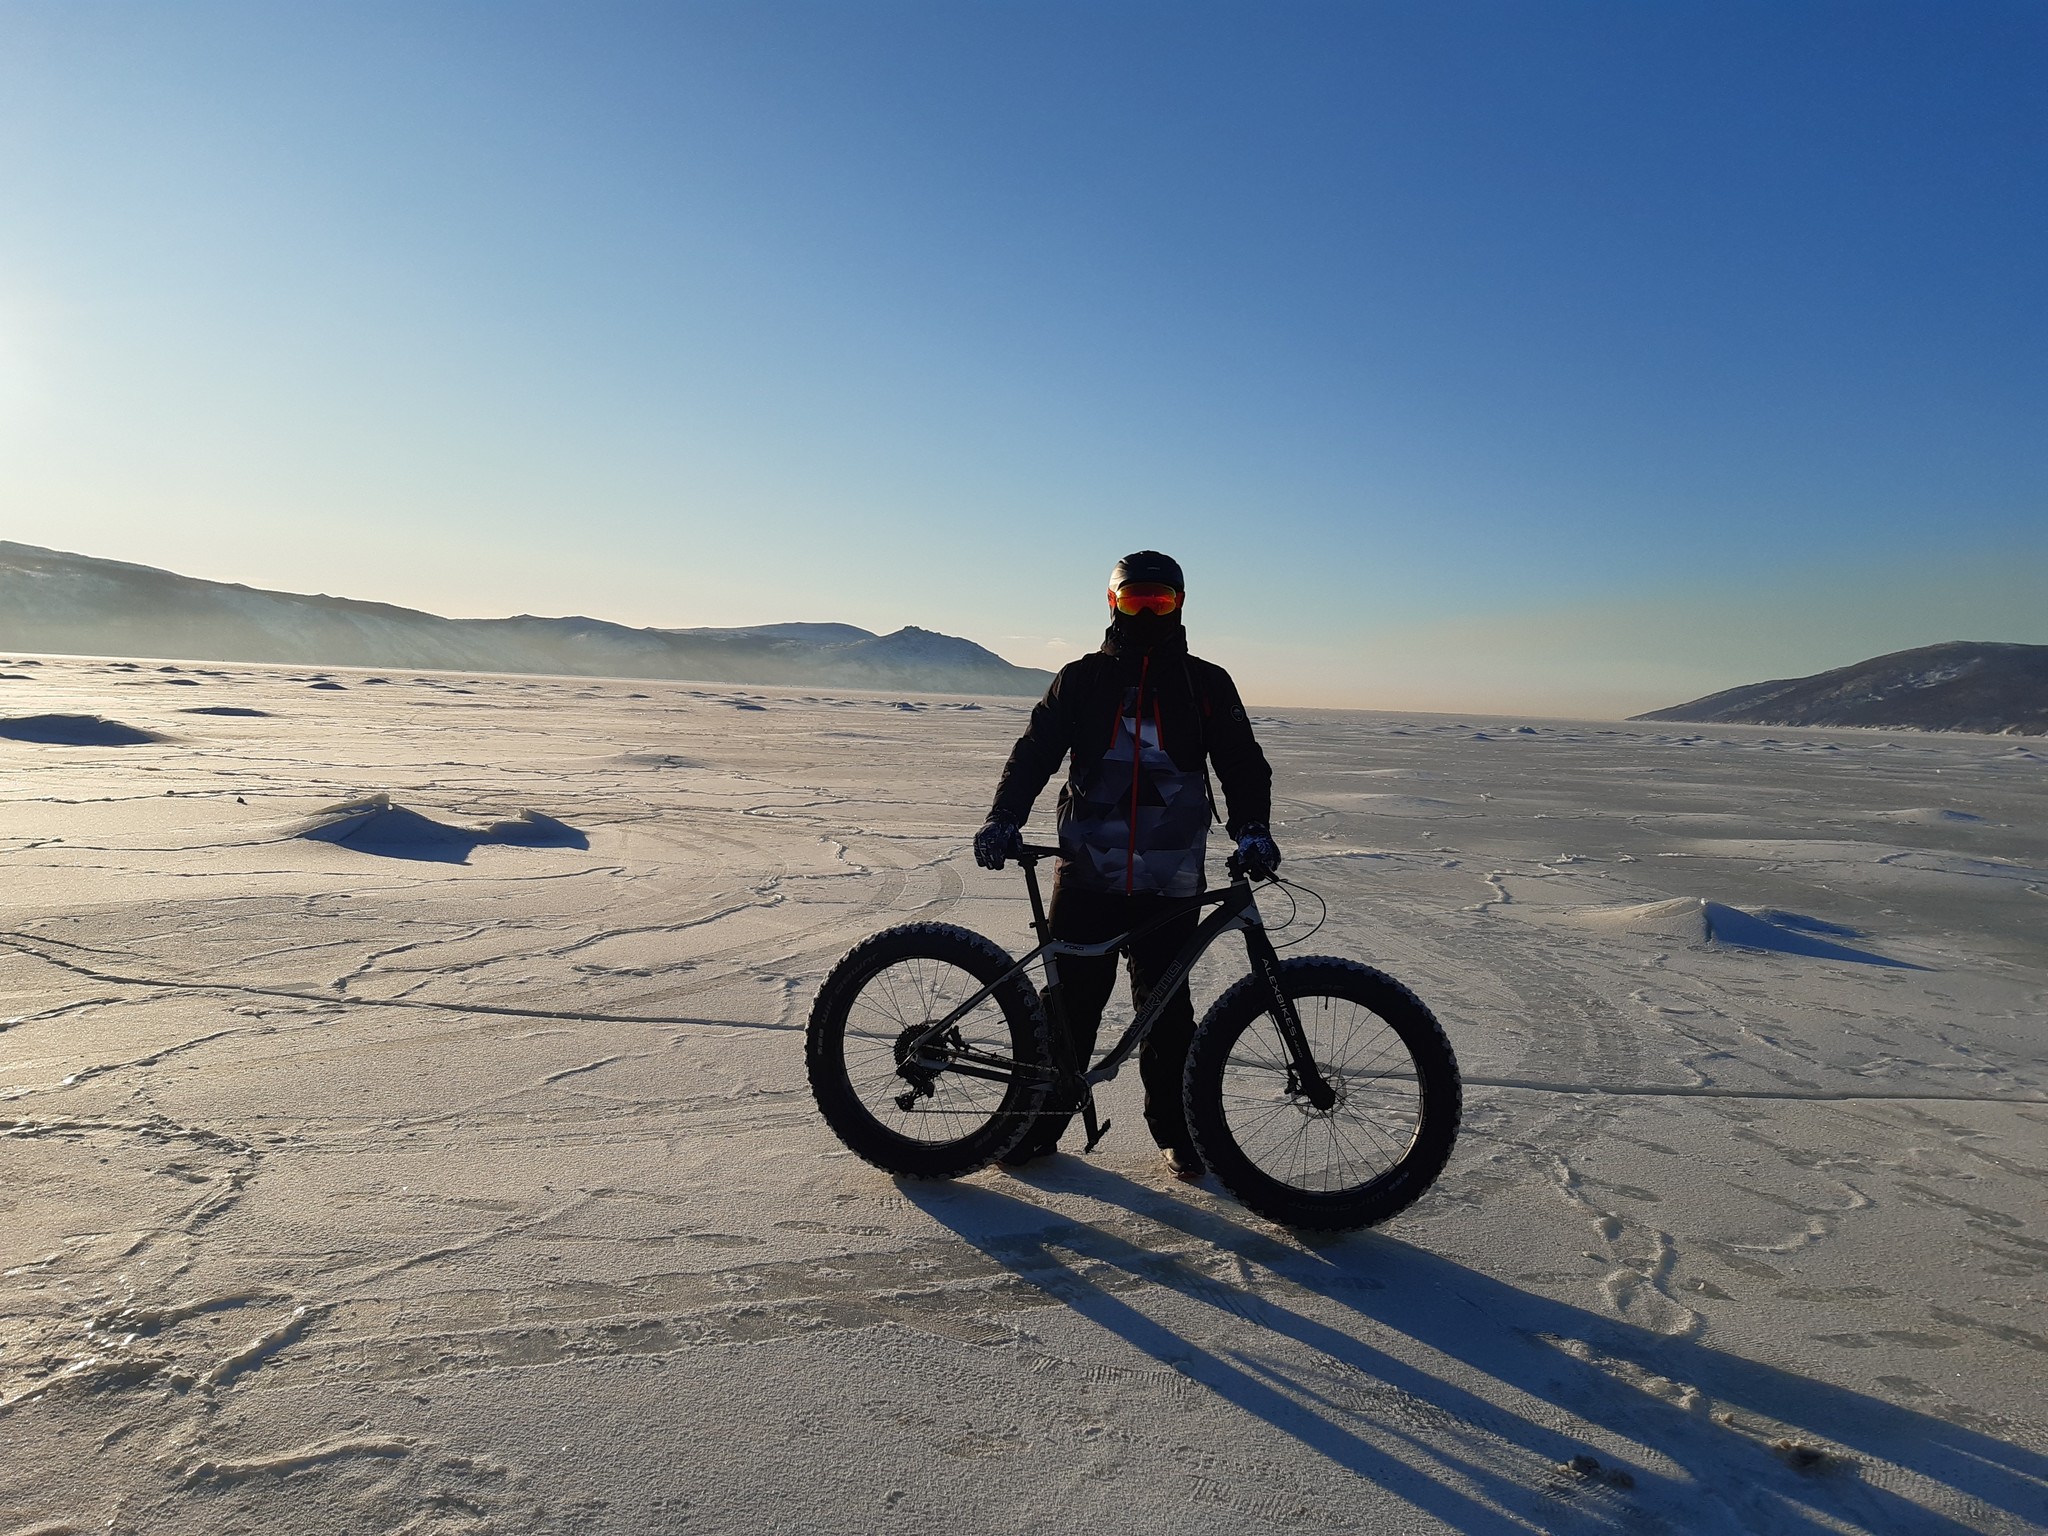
point(1200, 720)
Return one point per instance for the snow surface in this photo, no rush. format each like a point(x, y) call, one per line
point(403, 1127)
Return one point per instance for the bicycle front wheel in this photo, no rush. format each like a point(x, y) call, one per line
point(905, 1094)
point(1365, 1157)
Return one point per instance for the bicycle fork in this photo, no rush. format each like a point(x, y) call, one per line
point(1305, 1075)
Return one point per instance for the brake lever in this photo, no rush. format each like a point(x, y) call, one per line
point(1235, 867)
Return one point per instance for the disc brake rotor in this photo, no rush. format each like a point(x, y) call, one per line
point(1297, 1094)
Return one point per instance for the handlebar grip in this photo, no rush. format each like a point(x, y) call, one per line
point(1237, 866)
point(1037, 851)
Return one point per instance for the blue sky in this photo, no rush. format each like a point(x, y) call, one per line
point(1561, 357)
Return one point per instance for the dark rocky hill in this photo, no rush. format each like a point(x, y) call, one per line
point(79, 605)
point(1962, 685)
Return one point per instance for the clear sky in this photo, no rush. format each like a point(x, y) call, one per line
point(1550, 357)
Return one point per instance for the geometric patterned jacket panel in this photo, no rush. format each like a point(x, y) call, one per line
point(1137, 729)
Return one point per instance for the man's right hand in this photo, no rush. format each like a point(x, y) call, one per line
point(998, 841)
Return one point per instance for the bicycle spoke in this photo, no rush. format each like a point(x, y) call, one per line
point(1364, 1063)
point(896, 1057)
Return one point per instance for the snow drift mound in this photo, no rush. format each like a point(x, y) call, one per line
point(1689, 920)
point(76, 731)
point(1928, 816)
point(375, 824)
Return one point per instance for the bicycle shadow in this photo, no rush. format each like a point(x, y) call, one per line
point(1414, 1429)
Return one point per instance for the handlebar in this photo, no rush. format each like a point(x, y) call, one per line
point(1028, 854)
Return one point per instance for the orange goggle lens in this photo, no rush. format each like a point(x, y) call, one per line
point(1145, 597)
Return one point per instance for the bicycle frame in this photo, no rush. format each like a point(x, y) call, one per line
point(1236, 910)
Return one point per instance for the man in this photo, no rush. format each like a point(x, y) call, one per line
point(1139, 722)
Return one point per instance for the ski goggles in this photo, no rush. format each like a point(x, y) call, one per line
point(1135, 597)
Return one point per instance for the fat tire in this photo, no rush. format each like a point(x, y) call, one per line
point(825, 1052)
point(1290, 1205)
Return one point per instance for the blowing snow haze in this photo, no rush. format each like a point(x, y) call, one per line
point(75, 604)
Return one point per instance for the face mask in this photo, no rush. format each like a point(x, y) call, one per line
point(1143, 629)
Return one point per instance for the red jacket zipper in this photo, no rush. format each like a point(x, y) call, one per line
point(1137, 757)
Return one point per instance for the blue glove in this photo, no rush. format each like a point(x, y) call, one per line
point(998, 840)
point(1257, 854)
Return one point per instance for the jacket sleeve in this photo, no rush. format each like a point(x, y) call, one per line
point(1038, 753)
point(1246, 776)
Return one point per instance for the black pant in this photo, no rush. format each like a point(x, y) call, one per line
point(1091, 917)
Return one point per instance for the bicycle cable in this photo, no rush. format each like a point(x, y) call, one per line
point(1293, 911)
point(1322, 912)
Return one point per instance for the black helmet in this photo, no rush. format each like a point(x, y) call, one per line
point(1147, 565)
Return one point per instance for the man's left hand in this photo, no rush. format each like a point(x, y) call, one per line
point(1257, 854)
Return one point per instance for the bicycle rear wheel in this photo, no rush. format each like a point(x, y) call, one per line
point(1370, 1154)
point(908, 1098)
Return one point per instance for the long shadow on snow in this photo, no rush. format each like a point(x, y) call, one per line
point(1511, 1336)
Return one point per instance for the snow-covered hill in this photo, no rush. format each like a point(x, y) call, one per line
point(76, 604)
point(1963, 685)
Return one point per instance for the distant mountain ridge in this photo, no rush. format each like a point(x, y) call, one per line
point(80, 604)
point(1961, 685)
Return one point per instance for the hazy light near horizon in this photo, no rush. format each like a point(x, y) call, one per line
point(1576, 356)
